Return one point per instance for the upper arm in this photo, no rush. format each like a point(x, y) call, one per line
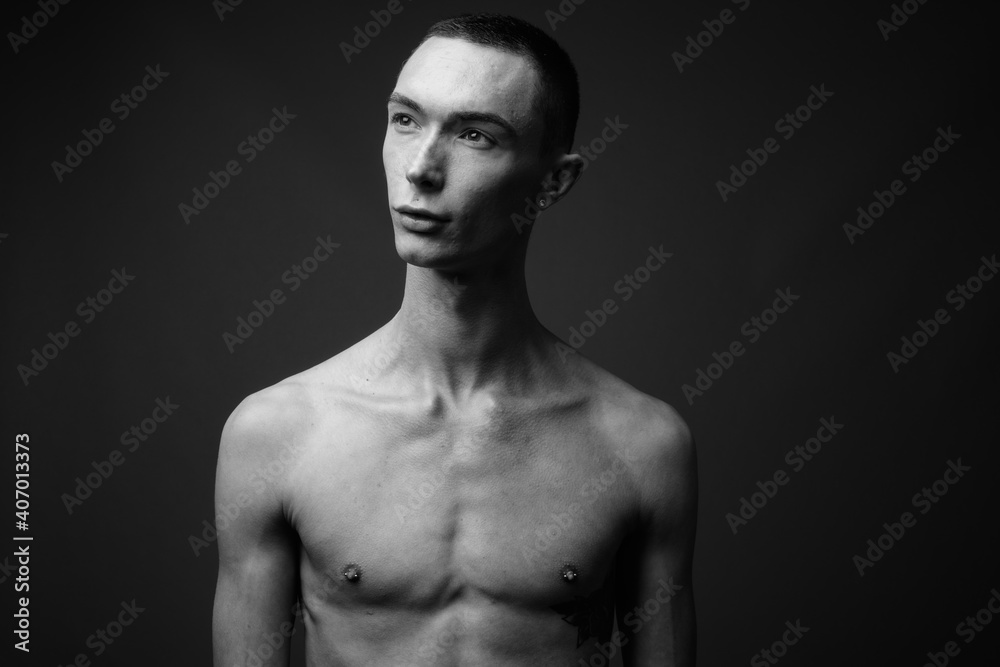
point(655, 600)
point(258, 555)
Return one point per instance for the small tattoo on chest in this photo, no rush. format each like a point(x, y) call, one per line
point(592, 615)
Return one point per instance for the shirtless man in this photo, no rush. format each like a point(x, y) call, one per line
point(455, 489)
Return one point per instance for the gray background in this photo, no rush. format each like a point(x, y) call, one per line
point(162, 336)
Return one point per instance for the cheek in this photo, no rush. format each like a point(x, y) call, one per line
point(503, 186)
point(394, 159)
point(389, 158)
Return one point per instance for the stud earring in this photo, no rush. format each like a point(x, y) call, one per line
point(541, 203)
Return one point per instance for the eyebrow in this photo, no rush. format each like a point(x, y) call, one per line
point(481, 116)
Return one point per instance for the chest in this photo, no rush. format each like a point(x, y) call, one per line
point(526, 513)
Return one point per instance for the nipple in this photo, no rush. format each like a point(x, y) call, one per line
point(569, 573)
point(352, 572)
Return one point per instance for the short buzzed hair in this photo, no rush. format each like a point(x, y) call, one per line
point(560, 86)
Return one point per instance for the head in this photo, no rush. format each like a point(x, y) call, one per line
point(480, 125)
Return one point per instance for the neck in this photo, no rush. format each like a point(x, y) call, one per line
point(459, 332)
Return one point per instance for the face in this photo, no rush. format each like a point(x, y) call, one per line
point(461, 153)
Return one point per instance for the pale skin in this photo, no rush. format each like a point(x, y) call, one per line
point(501, 499)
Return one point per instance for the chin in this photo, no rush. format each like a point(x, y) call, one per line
point(424, 251)
point(446, 253)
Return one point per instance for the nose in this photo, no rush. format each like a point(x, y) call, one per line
point(426, 169)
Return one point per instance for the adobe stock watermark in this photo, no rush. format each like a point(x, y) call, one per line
point(561, 13)
point(437, 646)
point(753, 329)
point(713, 29)
point(133, 438)
point(914, 168)
point(927, 329)
point(7, 569)
point(635, 620)
point(31, 25)
point(122, 106)
point(23, 585)
point(223, 7)
point(588, 493)
point(416, 323)
point(271, 641)
point(259, 480)
point(372, 29)
point(432, 649)
point(589, 152)
point(102, 638)
point(249, 148)
point(779, 648)
point(968, 630)
point(88, 310)
point(293, 276)
point(419, 494)
point(898, 17)
point(923, 500)
point(787, 125)
point(796, 458)
point(627, 286)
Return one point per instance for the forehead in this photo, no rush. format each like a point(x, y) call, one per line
point(446, 74)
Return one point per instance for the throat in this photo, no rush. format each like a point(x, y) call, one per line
point(458, 358)
point(464, 323)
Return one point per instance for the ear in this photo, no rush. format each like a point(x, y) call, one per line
point(557, 182)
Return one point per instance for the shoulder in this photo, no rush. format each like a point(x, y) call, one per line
point(263, 436)
point(650, 431)
point(653, 439)
point(281, 418)
point(268, 415)
point(645, 425)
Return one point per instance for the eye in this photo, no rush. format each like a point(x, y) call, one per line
point(477, 137)
point(401, 119)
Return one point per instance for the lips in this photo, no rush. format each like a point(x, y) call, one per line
point(420, 221)
point(421, 214)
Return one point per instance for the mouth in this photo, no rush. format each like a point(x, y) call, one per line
point(421, 214)
point(420, 219)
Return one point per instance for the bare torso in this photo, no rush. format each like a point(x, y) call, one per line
point(434, 533)
point(481, 534)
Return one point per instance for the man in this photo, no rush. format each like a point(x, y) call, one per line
point(455, 489)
